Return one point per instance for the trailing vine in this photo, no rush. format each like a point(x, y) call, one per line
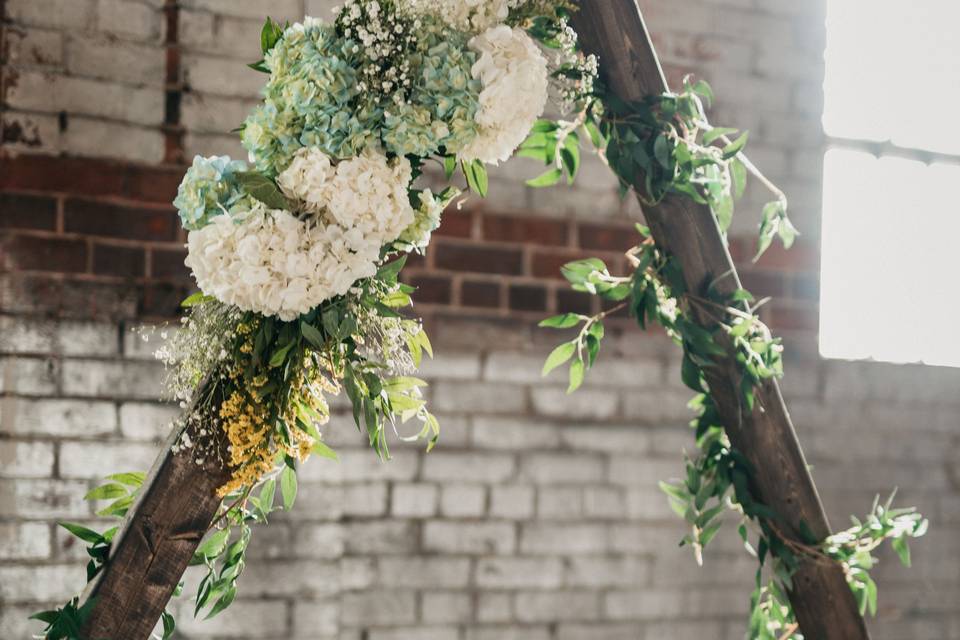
point(668, 140)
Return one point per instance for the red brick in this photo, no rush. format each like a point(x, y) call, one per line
point(803, 256)
point(764, 283)
point(32, 253)
point(477, 293)
point(783, 317)
point(805, 287)
point(415, 261)
point(522, 297)
point(526, 230)
point(71, 175)
point(162, 300)
point(21, 211)
point(431, 289)
point(546, 264)
point(118, 260)
point(153, 184)
point(607, 237)
point(168, 263)
point(117, 221)
point(569, 301)
point(479, 259)
point(456, 224)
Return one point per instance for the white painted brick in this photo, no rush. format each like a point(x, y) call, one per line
point(416, 633)
point(658, 407)
point(451, 365)
point(129, 19)
point(559, 468)
point(643, 472)
point(213, 144)
point(135, 379)
point(385, 536)
point(462, 500)
point(304, 578)
point(513, 367)
point(221, 77)
point(591, 404)
point(648, 503)
point(472, 537)
point(378, 608)
point(519, 573)
point(514, 434)
point(35, 376)
point(560, 503)
point(481, 398)
point(603, 503)
point(454, 431)
point(556, 606)
point(513, 502)
point(71, 418)
point(644, 604)
point(512, 632)
point(31, 132)
point(53, 93)
point(315, 617)
point(35, 47)
point(468, 467)
point(602, 572)
point(607, 439)
point(94, 459)
point(446, 607)
point(558, 538)
point(26, 459)
point(319, 540)
point(251, 619)
point(15, 622)
point(413, 500)
point(40, 584)
point(365, 499)
point(494, 607)
point(362, 464)
point(681, 630)
point(146, 421)
point(357, 573)
point(87, 339)
point(280, 10)
point(207, 113)
point(43, 499)
point(27, 541)
point(88, 137)
point(21, 335)
point(599, 631)
point(116, 61)
point(424, 572)
point(321, 8)
point(59, 14)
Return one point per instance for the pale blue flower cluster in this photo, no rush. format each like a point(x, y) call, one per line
point(209, 188)
point(319, 96)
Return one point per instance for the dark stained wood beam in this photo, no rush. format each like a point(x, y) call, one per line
point(156, 541)
point(825, 607)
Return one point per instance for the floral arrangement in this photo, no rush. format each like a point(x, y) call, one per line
point(297, 252)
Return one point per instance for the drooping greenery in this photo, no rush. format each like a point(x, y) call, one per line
point(668, 141)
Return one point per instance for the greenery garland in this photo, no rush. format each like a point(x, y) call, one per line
point(669, 141)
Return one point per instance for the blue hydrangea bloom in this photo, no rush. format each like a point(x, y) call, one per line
point(209, 188)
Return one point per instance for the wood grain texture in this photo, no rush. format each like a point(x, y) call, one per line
point(823, 603)
point(158, 537)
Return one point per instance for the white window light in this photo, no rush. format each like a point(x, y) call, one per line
point(890, 270)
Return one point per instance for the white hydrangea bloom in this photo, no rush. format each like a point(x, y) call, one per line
point(368, 197)
point(271, 262)
point(514, 77)
point(307, 178)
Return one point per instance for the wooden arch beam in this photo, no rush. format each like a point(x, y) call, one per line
point(825, 607)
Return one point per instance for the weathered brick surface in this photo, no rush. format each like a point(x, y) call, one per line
point(538, 516)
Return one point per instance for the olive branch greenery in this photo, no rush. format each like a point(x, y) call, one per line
point(668, 140)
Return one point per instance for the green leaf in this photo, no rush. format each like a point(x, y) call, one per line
point(322, 450)
point(577, 370)
point(738, 174)
point(716, 133)
point(562, 321)
point(225, 601)
point(547, 179)
point(214, 545)
point(476, 175)
point(661, 151)
point(267, 494)
point(106, 492)
point(280, 356)
point(902, 547)
point(391, 271)
point(263, 189)
point(132, 478)
point(312, 335)
point(87, 535)
point(707, 534)
point(449, 166)
point(288, 487)
point(736, 146)
point(196, 299)
point(558, 356)
point(169, 625)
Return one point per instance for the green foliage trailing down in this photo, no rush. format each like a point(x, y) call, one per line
point(668, 140)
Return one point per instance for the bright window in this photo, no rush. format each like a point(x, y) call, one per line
point(890, 272)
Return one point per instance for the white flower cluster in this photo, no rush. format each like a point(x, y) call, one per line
point(514, 77)
point(274, 263)
point(468, 15)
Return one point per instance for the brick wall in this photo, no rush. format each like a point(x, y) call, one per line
point(538, 517)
